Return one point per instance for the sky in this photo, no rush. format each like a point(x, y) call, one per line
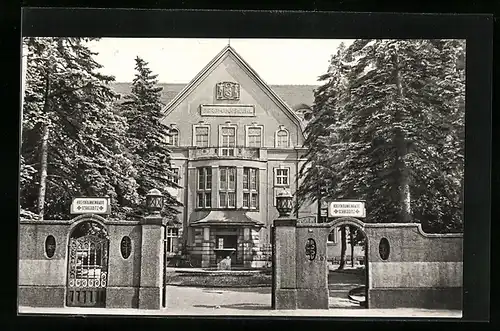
point(176, 60)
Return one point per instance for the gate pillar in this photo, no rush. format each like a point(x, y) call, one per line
point(284, 264)
point(151, 281)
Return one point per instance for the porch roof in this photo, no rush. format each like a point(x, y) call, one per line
point(225, 218)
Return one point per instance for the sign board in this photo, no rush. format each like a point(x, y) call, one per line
point(347, 209)
point(227, 110)
point(307, 220)
point(91, 206)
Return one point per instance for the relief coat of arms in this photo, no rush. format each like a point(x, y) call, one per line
point(228, 91)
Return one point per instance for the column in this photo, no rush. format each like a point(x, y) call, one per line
point(151, 281)
point(284, 264)
point(239, 186)
point(205, 257)
point(247, 249)
point(215, 186)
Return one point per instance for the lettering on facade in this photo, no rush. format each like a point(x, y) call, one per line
point(228, 91)
point(227, 110)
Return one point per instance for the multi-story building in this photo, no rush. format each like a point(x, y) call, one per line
point(235, 145)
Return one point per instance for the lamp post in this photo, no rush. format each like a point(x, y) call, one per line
point(154, 201)
point(284, 203)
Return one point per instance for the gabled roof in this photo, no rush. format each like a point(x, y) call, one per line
point(295, 96)
point(226, 51)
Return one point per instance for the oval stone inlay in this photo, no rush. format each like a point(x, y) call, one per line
point(384, 249)
point(311, 249)
point(50, 246)
point(126, 247)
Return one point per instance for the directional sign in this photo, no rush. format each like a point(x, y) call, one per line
point(347, 209)
point(90, 206)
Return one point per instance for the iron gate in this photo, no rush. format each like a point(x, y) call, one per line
point(87, 271)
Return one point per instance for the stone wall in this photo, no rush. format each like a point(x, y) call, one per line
point(43, 279)
point(422, 270)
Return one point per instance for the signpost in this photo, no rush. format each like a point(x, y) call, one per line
point(91, 206)
point(347, 209)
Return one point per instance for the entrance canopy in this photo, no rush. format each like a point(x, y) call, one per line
point(225, 218)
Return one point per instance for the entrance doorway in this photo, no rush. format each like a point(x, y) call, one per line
point(87, 265)
point(347, 267)
point(227, 242)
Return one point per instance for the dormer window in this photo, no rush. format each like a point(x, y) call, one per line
point(173, 139)
point(282, 138)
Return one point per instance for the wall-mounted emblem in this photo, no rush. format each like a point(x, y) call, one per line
point(228, 91)
point(311, 249)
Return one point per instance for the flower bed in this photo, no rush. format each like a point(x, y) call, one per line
point(222, 278)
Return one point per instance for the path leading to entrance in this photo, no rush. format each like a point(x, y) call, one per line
point(191, 301)
point(340, 282)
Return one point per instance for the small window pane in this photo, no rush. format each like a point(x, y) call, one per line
point(209, 178)
point(201, 178)
point(245, 178)
point(246, 198)
point(223, 179)
point(222, 199)
point(254, 200)
point(208, 200)
point(200, 200)
point(253, 178)
point(232, 178)
point(232, 199)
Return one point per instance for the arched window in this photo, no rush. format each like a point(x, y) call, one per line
point(282, 139)
point(173, 139)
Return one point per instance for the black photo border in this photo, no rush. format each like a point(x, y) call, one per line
point(477, 29)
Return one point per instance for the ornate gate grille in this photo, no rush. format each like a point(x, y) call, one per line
point(87, 271)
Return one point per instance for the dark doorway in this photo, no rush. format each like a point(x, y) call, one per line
point(228, 241)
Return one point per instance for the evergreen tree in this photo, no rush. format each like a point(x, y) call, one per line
point(71, 135)
point(147, 136)
point(397, 134)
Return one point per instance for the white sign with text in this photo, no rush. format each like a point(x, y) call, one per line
point(90, 206)
point(347, 209)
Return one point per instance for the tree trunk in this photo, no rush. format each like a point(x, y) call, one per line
point(43, 171)
point(401, 150)
point(44, 154)
point(319, 210)
point(343, 247)
point(351, 239)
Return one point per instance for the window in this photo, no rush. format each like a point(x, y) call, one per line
point(333, 236)
point(201, 136)
point(282, 138)
point(204, 194)
point(228, 140)
point(227, 187)
point(254, 137)
point(174, 176)
point(250, 188)
point(282, 177)
point(172, 235)
point(173, 139)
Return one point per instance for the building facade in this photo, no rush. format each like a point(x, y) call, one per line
point(235, 145)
